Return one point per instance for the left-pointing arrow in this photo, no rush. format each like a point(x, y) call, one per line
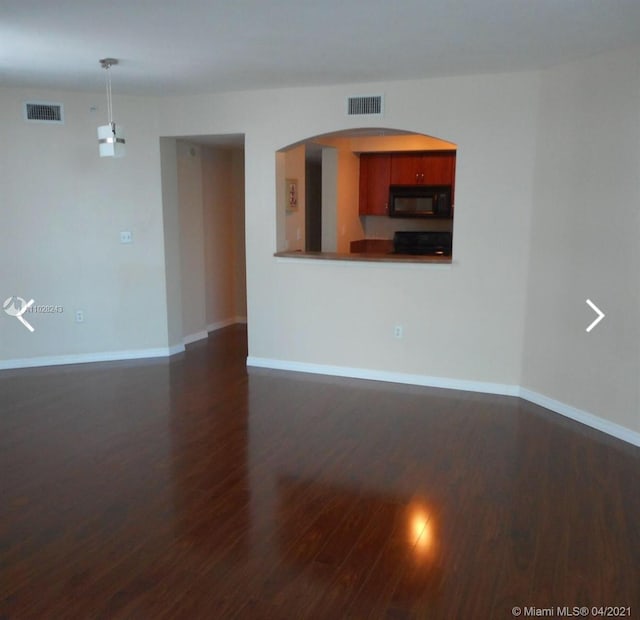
point(598, 312)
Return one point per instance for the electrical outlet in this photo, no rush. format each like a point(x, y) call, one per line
point(79, 316)
point(126, 236)
point(398, 331)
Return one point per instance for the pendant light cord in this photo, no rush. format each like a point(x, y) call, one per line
point(109, 102)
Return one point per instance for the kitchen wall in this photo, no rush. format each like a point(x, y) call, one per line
point(585, 239)
point(399, 143)
point(292, 162)
point(348, 226)
point(376, 227)
point(330, 199)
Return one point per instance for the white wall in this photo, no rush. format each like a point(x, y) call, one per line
point(193, 275)
point(585, 241)
point(239, 250)
point(223, 202)
point(462, 322)
point(61, 212)
point(171, 221)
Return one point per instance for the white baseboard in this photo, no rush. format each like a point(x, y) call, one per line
point(195, 337)
point(620, 432)
point(85, 358)
point(114, 356)
point(383, 375)
point(178, 348)
point(584, 417)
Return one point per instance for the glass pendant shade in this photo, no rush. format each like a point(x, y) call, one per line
point(111, 141)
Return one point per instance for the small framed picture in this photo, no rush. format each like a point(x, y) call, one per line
point(291, 194)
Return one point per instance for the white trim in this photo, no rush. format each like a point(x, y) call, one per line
point(584, 417)
point(113, 356)
point(195, 337)
point(383, 375)
point(85, 358)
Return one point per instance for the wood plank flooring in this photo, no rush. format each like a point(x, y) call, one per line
point(193, 488)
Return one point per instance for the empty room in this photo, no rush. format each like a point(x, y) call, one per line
point(319, 310)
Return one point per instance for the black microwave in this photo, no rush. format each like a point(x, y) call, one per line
point(420, 201)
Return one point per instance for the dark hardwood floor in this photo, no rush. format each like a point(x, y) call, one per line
point(191, 488)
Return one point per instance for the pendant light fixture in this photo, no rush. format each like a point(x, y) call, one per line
point(111, 140)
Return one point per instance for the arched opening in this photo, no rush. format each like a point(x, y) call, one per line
point(349, 193)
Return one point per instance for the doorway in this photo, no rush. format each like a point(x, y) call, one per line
point(204, 234)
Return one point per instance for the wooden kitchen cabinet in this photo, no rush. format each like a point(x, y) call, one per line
point(379, 170)
point(375, 171)
point(429, 168)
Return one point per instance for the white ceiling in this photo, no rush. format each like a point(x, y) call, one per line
point(196, 46)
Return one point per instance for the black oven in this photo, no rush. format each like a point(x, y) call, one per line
point(420, 201)
point(422, 242)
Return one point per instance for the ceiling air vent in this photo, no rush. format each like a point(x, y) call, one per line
point(43, 112)
point(370, 105)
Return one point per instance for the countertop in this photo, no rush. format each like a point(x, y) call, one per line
point(380, 257)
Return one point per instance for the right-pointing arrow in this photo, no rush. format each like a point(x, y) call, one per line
point(598, 312)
